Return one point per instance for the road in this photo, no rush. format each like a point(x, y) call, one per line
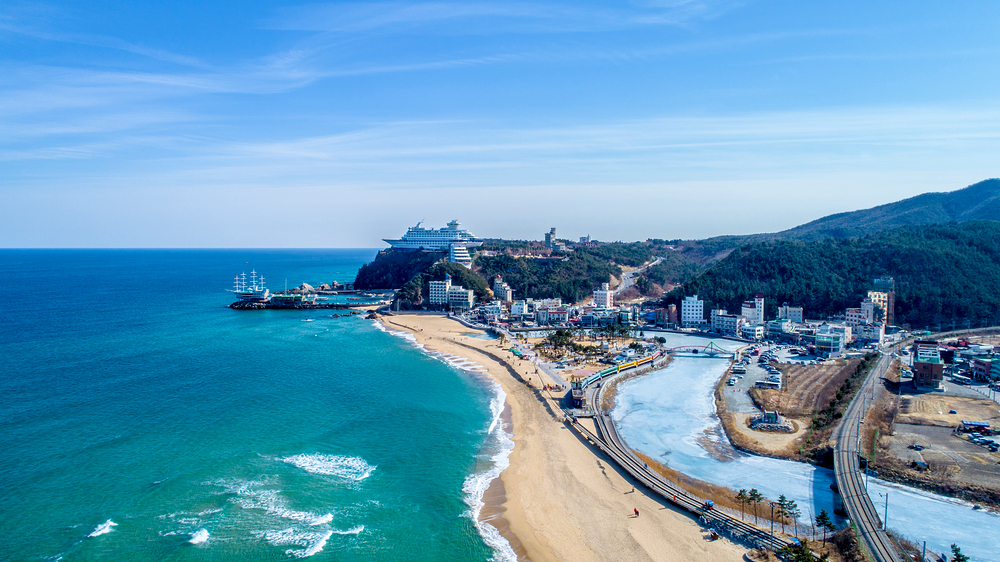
point(847, 469)
point(628, 279)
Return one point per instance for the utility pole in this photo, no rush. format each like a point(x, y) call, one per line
point(772, 519)
point(885, 520)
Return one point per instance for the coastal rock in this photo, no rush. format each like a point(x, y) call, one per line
point(303, 289)
point(325, 287)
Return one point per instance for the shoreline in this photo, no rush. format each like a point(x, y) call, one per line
point(560, 498)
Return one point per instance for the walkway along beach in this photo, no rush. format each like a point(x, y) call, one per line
point(561, 498)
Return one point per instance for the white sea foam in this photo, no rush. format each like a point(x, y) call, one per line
point(348, 468)
point(352, 531)
point(311, 543)
point(199, 537)
point(476, 484)
point(103, 528)
point(248, 496)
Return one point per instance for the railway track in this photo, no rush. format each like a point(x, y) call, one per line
point(847, 469)
point(611, 444)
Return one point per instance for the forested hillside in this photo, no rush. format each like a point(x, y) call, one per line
point(944, 273)
point(570, 278)
point(391, 269)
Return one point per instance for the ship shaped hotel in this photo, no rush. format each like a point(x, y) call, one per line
point(452, 239)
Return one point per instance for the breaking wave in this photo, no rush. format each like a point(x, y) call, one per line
point(348, 468)
point(199, 537)
point(103, 528)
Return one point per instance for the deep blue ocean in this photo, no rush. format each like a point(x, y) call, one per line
point(142, 419)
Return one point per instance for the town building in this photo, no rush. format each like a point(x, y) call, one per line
point(781, 330)
point(692, 312)
point(460, 299)
point(550, 237)
point(870, 333)
point(438, 291)
point(660, 317)
point(982, 369)
point(502, 290)
point(793, 313)
point(887, 286)
point(729, 324)
point(520, 309)
point(829, 344)
point(928, 368)
point(492, 312)
point(713, 316)
point(753, 310)
point(672, 314)
point(604, 297)
point(750, 332)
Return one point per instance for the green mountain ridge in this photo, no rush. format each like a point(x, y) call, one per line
point(944, 273)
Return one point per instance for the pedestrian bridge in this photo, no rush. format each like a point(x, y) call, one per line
point(709, 350)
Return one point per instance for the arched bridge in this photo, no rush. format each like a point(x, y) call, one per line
point(709, 350)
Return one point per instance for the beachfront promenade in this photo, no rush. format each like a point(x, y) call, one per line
point(610, 443)
point(850, 481)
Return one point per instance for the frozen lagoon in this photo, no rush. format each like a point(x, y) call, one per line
point(670, 416)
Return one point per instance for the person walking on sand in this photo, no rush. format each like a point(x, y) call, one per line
point(637, 512)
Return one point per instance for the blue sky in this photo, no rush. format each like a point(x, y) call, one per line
point(268, 124)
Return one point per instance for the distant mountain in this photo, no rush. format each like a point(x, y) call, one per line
point(978, 201)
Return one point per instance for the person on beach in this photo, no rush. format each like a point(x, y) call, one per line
point(637, 512)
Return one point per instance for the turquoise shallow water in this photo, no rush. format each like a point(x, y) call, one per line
point(133, 396)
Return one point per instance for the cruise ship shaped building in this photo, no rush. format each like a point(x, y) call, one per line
point(417, 238)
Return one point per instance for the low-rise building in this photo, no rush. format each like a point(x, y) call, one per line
point(793, 313)
point(460, 299)
point(928, 368)
point(829, 344)
point(749, 332)
point(502, 290)
point(520, 309)
point(982, 369)
point(781, 330)
point(729, 324)
point(870, 333)
point(604, 297)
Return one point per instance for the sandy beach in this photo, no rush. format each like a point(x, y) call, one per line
point(560, 499)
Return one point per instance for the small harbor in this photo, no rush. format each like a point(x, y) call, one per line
point(252, 294)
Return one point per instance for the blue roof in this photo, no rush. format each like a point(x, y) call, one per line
point(975, 423)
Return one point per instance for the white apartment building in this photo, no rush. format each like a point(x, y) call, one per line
point(460, 298)
point(873, 333)
point(750, 332)
point(859, 316)
point(793, 313)
point(520, 308)
point(753, 310)
point(501, 290)
point(604, 297)
point(728, 324)
point(692, 312)
point(438, 293)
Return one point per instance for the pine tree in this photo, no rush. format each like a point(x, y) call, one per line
point(956, 554)
point(823, 521)
point(743, 498)
point(782, 510)
point(755, 498)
